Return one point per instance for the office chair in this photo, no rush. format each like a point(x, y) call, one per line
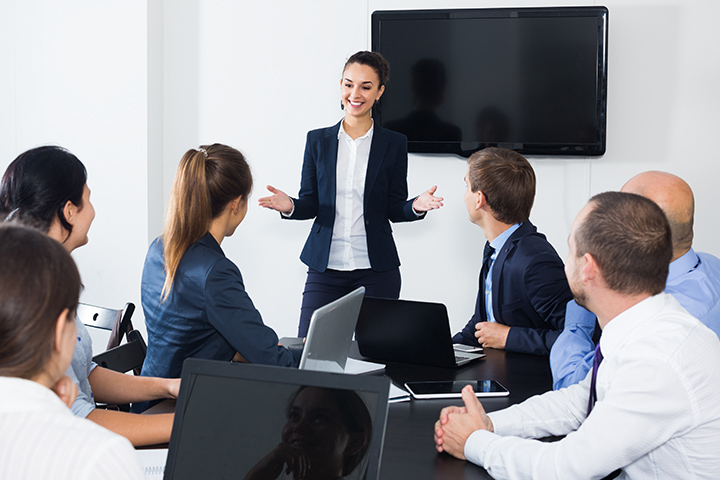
point(118, 357)
point(123, 358)
point(118, 322)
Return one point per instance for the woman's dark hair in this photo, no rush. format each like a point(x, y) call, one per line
point(206, 181)
point(373, 60)
point(38, 184)
point(38, 280)
point(355, 417)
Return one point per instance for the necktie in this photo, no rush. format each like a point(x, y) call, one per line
point(593, 391)
point(487, 255)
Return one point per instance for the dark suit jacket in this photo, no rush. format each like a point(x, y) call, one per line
point(385, 196)
point(208, 313)
point(529, 293)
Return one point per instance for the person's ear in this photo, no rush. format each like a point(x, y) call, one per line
point(69, 212)
point(381, 90)
point(236, 204)
point(480, 201)
point(590, 270)
point(60, 330)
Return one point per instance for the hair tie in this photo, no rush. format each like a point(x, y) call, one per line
point(203, 151)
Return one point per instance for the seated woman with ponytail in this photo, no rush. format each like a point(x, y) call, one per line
point(193, 296)
point(39, 436)
point(46, 187)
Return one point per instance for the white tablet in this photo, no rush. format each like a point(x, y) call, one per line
point(453, 389)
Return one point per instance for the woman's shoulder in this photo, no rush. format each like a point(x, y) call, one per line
point(321, 132)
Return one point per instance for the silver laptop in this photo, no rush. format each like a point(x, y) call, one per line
point(330, 335)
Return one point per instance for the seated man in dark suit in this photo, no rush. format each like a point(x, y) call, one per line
point(523, 290)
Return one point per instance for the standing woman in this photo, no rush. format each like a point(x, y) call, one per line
point(39, 436)
point(354, 183)
point(193, 296)
point(46, 187)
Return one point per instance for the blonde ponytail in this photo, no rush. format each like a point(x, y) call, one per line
point(206, 180)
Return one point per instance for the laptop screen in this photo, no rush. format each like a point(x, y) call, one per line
point(257, 422)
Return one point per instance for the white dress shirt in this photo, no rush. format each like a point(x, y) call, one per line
point(657, 414)
point(41, 438)
point(348, 247)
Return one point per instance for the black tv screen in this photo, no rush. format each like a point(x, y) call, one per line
point(532, 80)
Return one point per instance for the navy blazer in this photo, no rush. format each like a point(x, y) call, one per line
point(208, 313)
point(530, 292)
point(385, 196)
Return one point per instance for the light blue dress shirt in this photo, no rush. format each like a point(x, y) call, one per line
point(79, 371)
point(693, 279)
point(496, 244)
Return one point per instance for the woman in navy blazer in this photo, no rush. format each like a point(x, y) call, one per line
point(193, 296)
point(354, 183)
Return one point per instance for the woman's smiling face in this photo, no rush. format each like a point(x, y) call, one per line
point(359, 89)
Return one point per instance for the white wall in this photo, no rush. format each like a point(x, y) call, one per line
point(258, 75)
point(75, 74)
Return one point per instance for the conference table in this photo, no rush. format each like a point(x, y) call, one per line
point(409, 449)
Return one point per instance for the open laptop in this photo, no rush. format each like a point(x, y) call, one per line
point(330, 334)
point(409, 332)
point(231, 420)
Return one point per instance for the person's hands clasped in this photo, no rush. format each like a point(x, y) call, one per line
point(278, 201)
point(491, 334)
point(456, 424)
point(66, 390)
point(427, 201)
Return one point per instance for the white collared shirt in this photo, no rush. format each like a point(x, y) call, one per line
point(41, 438)
point(348, 247)
point(657, 413)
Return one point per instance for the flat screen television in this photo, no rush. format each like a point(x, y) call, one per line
point(532, 80)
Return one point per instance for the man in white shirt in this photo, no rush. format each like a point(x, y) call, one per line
point(657, 413)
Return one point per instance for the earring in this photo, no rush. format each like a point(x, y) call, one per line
point(342, 105)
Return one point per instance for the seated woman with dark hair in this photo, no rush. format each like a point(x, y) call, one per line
point(39, 436)
point(46, 187)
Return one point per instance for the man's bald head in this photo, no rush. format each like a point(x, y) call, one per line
point(675, 197)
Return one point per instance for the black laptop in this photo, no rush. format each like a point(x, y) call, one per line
point(408, 332)
point(254, 422)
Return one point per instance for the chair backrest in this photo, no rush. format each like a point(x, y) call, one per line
point(125, 357)
point(117, 321)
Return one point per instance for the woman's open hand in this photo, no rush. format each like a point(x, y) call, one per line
point(427, 201)
point(278, 201)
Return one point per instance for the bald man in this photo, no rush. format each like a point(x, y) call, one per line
point(693, 279)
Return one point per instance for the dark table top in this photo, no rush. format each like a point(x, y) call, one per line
point(409, 450)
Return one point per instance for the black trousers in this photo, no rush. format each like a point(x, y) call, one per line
point(322, 288)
